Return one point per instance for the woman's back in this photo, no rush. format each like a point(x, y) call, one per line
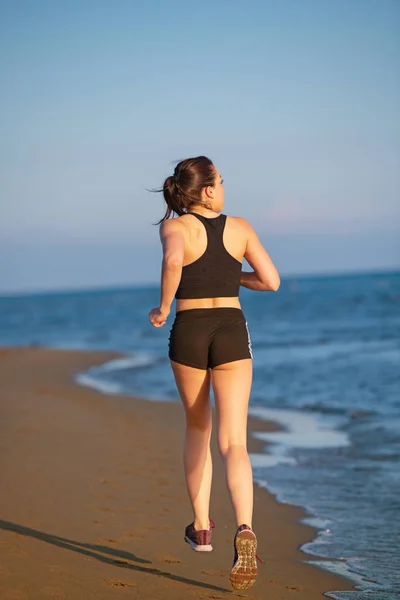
point(210, 270)
point(234, 237)
point(211, 253)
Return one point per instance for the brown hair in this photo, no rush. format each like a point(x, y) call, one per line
point(183, 189)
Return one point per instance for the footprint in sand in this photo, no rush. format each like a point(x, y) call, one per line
point(168, 558)
point(295, 588)
point(172, 562)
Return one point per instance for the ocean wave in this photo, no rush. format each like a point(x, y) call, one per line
point(128, 362)
point(98, 377)
point(300, 430)
point(104, 387)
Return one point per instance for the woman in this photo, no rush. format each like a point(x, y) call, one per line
point(209, 343)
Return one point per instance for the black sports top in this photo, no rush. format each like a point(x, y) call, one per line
point(216, 274)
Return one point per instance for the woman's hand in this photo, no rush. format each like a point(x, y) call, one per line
point(157, 317)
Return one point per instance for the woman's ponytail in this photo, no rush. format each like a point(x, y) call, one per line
point(184, 188)
point(173, 197)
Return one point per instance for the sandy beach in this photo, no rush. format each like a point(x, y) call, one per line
point(93, 501)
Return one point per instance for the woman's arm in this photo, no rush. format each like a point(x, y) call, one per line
point(173, 244)
point(251, 281)
point(265, 277)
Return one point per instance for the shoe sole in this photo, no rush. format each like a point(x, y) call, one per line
point(244, 571)
point(197, 547)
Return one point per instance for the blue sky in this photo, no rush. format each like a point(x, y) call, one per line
point(297, 103)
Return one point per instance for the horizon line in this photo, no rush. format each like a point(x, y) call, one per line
point(133, 286)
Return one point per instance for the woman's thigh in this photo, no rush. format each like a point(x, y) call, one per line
point(231, 384)
point(194, 389)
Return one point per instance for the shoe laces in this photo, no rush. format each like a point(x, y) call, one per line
point(212, 524)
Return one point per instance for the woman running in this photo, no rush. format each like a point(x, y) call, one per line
point(209, 343)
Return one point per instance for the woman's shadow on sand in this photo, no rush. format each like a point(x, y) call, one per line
point(93, 550)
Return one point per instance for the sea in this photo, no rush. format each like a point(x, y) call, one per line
point(326, 355)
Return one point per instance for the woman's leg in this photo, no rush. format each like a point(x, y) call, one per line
point(231, 384)
point(194, 389)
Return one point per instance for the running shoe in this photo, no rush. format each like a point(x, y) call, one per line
point(244, 569)
point(200, 541)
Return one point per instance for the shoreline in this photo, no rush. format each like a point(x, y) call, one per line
point(257, 446)
point(46, 407)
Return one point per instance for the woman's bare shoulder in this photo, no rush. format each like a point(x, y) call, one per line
point(240, 224)
point(170, 225)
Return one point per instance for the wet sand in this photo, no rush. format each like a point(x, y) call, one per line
point(93, 500)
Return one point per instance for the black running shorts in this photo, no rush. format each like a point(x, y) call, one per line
point(207, 337)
